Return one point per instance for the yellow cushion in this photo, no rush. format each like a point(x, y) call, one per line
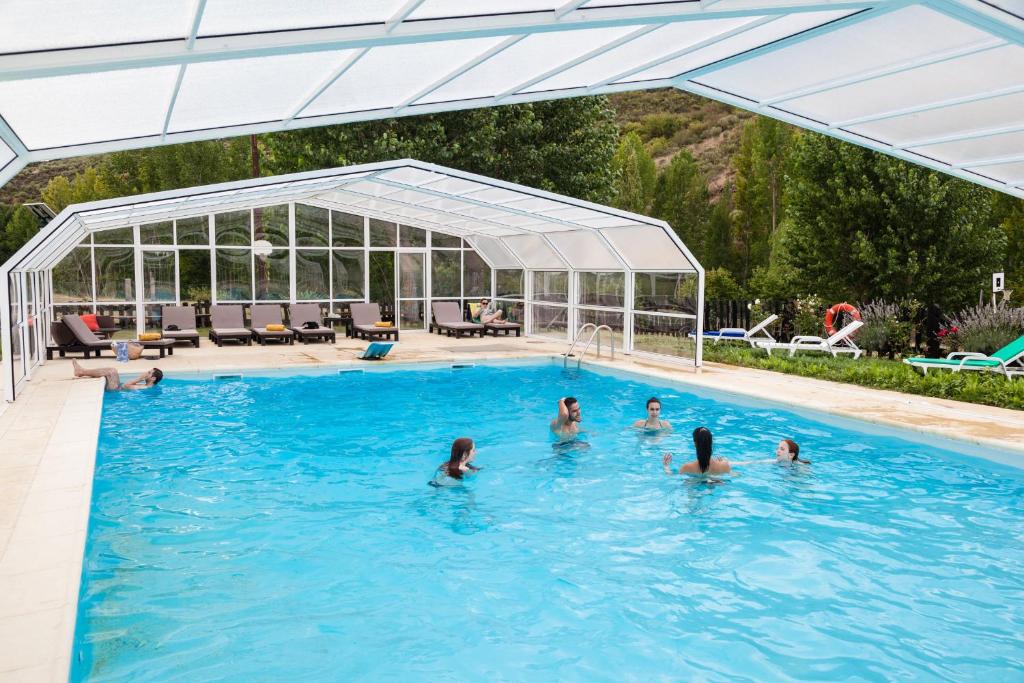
point(474, 312)
point(275, 328)
point(382, 324)
point(149, 336)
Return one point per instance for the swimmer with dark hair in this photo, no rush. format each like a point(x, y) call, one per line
point(458, 465)
point(566, 425)
point(788, 451)
point(705, 463)
point(653, 423)
point(146, 380)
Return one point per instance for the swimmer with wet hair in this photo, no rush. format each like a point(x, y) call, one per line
point(459, 464)
point(147, 379)
point(705, 463)
point(566, 425)
point(788, 451)
point(653, 423)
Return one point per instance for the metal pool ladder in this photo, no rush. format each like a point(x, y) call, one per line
point(596, 333)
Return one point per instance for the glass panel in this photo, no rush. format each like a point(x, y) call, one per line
point(383, 234)
point(509, 283)
point(382, 278)
point(272, 280)
point(255, 16)
point(476, 275)
point(661, 334)
point(115, 273)
point(157, 233)
point(194, 274)
point(193, 230)
point(117, 236)
point(410, 276)
point(311, 223)
point(72, 277)
point(271, 223)
point(551, 286)
point(612, 319)
point(234, 274)
point(550, 321)
point(347, 229)
point(668, 292)
point(647, 246)
point(154, 314)
point(445, 273)
point(233, 228)
point(412, 315)
point(348, 274)
point(14, 287)
point(439, 239)
point(312, 275)
point(515, 311)
point(412, 237)
point(158, 276)
point(603, 289)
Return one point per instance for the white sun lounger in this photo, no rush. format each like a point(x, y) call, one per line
point(739, 334)
point(838, 343)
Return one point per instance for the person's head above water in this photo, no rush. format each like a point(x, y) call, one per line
point(156, 374)
point(573, 408)
point(463, 452)
point(789, 451)
point(702, 442)
point(653, 408)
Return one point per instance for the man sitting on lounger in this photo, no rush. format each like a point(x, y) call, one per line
point(147, 379)
point(489, 312)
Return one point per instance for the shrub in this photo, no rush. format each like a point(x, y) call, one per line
point(197, 294)
point(656, 146)
point(810, 316)
point(887, 326)
point(660, 126)
point(720, 284)
point(985, 328)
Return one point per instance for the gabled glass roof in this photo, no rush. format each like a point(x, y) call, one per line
point(938, 82)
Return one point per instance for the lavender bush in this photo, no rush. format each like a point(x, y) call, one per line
point(986, 328)
point(887, 326)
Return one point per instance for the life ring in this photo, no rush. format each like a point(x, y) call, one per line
point(836, 312)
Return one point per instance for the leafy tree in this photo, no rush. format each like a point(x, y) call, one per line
point(681, 199)
point(720, 284)
point(87, 186)
point(718, 242)
point(175, 166)
point(635, 173)
point(867, 226)
point(1009, 214)
point(19, 225)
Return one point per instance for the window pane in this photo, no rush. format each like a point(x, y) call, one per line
point(445, 273)
point(550, 321)
point(158, 276)
point(669, 292)
point(72, 277)
point(193, 230)
point(157, 233)
point(603, 289)
point(272, 276)
point(383, 234)
point(476, 275)
point(515, 311)
point(551, 286)
point(115, 273)
point(660, 334)
point(311, 226)
point(233, 228)
point(439, 239)
point(117, 236)
point(271, 223)
point(510, 283)
point(410, 276)
point(311, 273)
point(382, 279)
point(612, 319)
point(412, 315)
point(348, 274)
point(194, 272)
point(347, 229)
point(234, 274)
point(412, 237)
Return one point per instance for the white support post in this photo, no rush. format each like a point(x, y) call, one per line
point(699, 351)
point(292, 293)
point(211, 231)
point(627, 318)
point(140, 284)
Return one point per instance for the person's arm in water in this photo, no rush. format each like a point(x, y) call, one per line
point(140, 382)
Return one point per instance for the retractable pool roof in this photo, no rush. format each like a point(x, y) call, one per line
point(937, 82)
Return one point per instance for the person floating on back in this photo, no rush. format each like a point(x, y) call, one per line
point(787, 452)
point(566, 425)
point(150, 378)
point(458, 465)
point(704, 464)
point(653, 423)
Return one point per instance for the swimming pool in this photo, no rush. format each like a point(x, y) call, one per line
point(281, 528)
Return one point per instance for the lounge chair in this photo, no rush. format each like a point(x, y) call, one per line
point(108, 326)
point(309, 313)
point(838, 343)
point(739, 334)
point(65, 341)
point(376, 351)
point(1008, 360)
point(184, 319)
point(269, 314)
point(363, 318)
point(448, 319)
point(494, 326)
point(84, 337)
point(227, 323)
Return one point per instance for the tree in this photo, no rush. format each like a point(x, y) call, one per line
point(1009, 214)
point(681, 199)
point(175, 166)
point(635, 173)
point(87, 186)
point(718, 248)
point(19, 225)
point(864, 225)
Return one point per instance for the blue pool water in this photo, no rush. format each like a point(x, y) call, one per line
point(282, 529)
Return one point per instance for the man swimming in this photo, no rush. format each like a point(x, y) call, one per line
point(653, 423)
point(150, 378)
point(566, 425)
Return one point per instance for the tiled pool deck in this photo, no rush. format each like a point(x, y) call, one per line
point(48, 445)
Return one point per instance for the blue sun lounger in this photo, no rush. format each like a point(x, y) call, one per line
point(376, 351)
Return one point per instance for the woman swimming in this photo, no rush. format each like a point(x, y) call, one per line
point(704, 464)
point(458, 465)
point(653, 423)
point(788, 451)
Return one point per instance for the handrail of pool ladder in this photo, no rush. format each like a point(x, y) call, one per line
point(595, 333)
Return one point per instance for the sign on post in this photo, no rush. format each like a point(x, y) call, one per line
point(998, 280)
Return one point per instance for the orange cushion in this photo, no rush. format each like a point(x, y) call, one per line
point(90, 321)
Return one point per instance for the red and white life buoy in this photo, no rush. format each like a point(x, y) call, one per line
point(836, 312)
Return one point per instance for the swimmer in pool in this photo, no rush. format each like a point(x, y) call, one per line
point(150, 378)
point(788, 452)
point(459, 464)
point(704, 464)
point(653, 423)
point(566, 425)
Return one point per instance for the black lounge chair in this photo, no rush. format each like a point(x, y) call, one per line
point(227, 324)
point(107, 326)
point(301, 314)
point(269, 314)
point(83, 336)
point(65, 341)
point(183, 318)
point(502, 326)
point(448, 319)
point(363, 318)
